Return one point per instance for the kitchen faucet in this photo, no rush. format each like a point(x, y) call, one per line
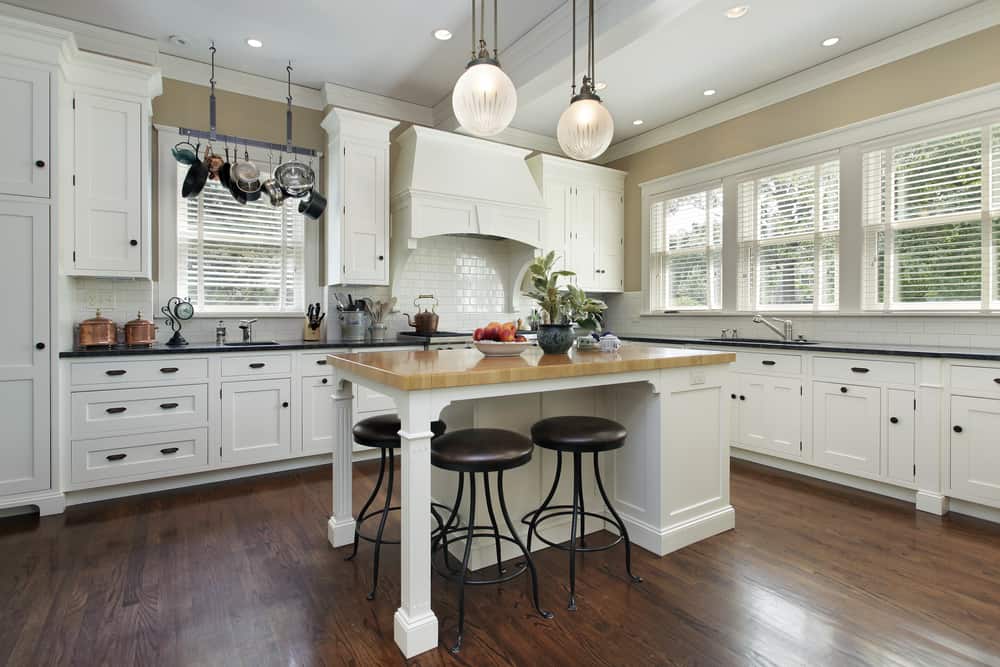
point(785, 332)
point(247, 327)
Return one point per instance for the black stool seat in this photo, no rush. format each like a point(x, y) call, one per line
point(579, 434)
point(383, 431)
point(480, 450)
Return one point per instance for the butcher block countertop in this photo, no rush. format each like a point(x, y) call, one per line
point(439, 369)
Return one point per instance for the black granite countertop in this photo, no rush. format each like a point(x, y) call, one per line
point(981, 354)
point(203, 348)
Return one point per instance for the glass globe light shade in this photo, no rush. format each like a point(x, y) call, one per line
point(484, 100)
point(585, 129)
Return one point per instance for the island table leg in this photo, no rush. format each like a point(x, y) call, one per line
point(340, 527)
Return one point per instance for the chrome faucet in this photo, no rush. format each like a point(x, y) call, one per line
point(785, 332)
point(247, 327)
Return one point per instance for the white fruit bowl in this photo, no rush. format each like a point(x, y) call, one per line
point(492, 348)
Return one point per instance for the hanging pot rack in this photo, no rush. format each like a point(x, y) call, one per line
point(254, 143)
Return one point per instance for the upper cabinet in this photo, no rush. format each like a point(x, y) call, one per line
point(586, 219)
point(24, 131)
point(357, 218)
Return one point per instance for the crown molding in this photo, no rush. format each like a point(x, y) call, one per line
point(947, 28)
point(358, 100)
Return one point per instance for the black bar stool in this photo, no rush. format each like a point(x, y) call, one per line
point(381, 431)
point(480, 450)
point(579, 436)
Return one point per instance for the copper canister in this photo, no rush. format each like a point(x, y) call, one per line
point(140, 332)
point(98, 331)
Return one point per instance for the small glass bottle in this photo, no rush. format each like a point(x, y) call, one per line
point(220, 333)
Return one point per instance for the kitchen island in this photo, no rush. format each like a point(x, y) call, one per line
point(670, 482)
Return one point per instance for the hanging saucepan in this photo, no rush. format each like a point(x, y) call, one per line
point(313, 206)
point(226, 178)
point(185, 152)
point(247, 177)
point(224, 171)
point(194, 181)
point(295, 178)
point(273, 191)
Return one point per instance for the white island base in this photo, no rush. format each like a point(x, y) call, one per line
point(670, 483)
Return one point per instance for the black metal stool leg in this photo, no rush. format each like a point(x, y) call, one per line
point(532, 525)
point(493, 520)
point(381, 524)
point(618, 520)
point(465, 563)
point(572, 532)
point(452, 517)
point(527, 555)
point(583, 516)
point(364, 508)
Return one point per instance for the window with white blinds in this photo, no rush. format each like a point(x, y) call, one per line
point(931, 224)
point(788, 229)
point(239, 258)
point(686, 251)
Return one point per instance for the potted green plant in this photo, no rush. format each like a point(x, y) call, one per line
point(563, 307)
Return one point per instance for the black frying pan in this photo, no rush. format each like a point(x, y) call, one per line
point(194, 181)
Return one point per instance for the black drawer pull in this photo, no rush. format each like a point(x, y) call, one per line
point(894, 420)
point(115, 411)
point(997, 380)
point(114, 372)
point(957, 429)
point(115, 457)
point(169, 406)
point(169, 450)
point(768, 362)
point(169, 369)
point(858, 369)
point(322, 362)
point(843, 390)
point(258, 364)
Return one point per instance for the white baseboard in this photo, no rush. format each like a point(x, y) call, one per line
point(662, 541)
point(45, 503)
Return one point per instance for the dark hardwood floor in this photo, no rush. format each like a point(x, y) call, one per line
point(241, 574)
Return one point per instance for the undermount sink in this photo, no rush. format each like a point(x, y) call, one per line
point(251, 343)
point(770, 341)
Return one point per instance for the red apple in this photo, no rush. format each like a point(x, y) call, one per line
point(478, 334)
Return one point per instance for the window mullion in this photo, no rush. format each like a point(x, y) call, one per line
point(817, 216)
point(889, 298)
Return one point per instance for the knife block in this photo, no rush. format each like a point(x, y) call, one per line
point(310, 334)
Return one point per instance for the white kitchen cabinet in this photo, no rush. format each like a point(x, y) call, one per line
point(357, 217)
point(256, 421)
point(24, 354)
point(24, 131)
point(847, 427)
point(610, 256)
point(556, 230)
point(109, 234)
point(975, 449)
point(901, 435)
point(769, 418)
point(317, 415)
point(582, 250)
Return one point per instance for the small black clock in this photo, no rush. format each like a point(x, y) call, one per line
point(176, 311)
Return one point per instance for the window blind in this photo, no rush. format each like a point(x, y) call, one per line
point(929, 237)
point(788, 231)
point(239, 258)
point(686, 251)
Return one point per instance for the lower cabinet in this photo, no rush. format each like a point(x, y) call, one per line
point(317, 415)
point(769, 414)
point(901, 435)
point(112, 459)
point(847, 425)
point(975, 449)
point(256, 421)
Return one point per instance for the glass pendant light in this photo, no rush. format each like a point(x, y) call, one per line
point(484, 99)
point(586, 127)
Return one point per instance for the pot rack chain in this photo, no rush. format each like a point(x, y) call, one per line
point(211, 97)
point(288, 112)
point(479, 49)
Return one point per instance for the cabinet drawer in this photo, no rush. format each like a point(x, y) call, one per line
point(112, 371)
point(865, 370)
point(368, 400)
point(314, 363)
point(976, 378)
point(97, 413)
point(257, 364)
point(756, 362)
point(125, 457)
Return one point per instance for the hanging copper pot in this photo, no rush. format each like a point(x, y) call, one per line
point(140, 332)
point(98, 331)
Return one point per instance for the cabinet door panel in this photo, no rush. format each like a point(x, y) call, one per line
point(611, 240)
point(365, 220)
point(108, 208)
point(584, 237)
point(555, 234)
point(975, 449)
point(900, 439)
point(847, 427)
point(770, 411)
point(754, 430)
point(256, 425)
point(317, 415)
point(24, 131)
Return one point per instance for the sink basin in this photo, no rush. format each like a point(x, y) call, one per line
point(770, 341)
point(251, 344)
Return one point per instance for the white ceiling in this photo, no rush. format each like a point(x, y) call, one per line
point(657, 56)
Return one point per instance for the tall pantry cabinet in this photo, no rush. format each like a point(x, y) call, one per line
point(47, 155)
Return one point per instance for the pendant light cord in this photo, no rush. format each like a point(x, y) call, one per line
point(572, 76)
point(590, 45)
point(496, 31)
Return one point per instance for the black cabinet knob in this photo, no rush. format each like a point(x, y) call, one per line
point(957, 429)
point(381, 258)
point(325, 380)
point(285, 404)
point(133, 243)
point(39, 346)
point(733, 396)
point(843, 390)
point(743, 398)
point(39, 163)
point(893, 420)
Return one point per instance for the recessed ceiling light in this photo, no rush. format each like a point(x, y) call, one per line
point(601, 85)
point(442, 34)
point(739, 11)
point(255, 43)
point(637, 122)
point(177, 40)
point(830, 41)
point(709, 92)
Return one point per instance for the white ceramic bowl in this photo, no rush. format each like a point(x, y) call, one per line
point(493, 348)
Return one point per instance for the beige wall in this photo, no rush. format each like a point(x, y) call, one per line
point(955, 67)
